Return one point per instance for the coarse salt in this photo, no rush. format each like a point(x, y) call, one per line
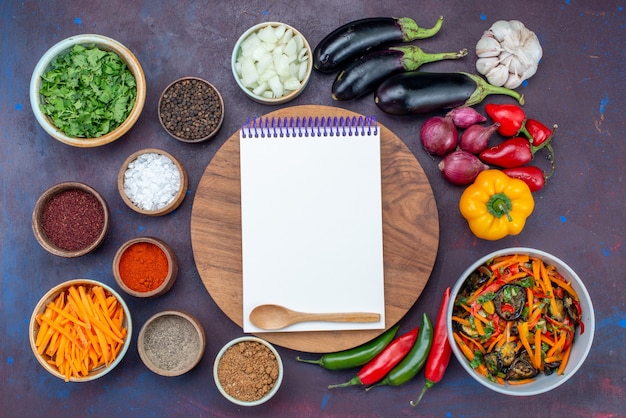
point(152, 181)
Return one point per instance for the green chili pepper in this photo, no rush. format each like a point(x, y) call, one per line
point(414, 360)
point(357, 356)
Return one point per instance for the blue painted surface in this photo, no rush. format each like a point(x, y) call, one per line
point(579, 216)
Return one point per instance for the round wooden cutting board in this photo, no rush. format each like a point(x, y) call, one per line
point(410, 235)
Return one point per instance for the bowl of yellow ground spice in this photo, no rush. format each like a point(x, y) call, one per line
point(145, 267)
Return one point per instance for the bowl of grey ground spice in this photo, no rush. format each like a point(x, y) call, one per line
point(145, 267)
point(171, 343)
point(152, 182)
point(248, 371)
point(70, 219)
point(191, 109)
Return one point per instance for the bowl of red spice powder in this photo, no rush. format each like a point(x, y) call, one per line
point(70, 219)
point(145, 267)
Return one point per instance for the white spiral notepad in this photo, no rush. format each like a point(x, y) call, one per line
point(311, 207)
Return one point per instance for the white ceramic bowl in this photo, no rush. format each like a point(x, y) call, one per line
point(288, 96)
point(582, 342)
point(103, 43)
point(233, 399)
point(50, 296)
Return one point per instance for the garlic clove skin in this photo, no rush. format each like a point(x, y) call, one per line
point(488, 47)
point(513, 81)
point(484, 65)
point(501, 30)
point(498, 75)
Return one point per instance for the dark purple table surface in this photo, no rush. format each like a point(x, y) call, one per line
point(579, 216)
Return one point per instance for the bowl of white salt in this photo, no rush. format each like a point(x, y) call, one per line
point(171, 343)
point(152, 182)
point(271, 63)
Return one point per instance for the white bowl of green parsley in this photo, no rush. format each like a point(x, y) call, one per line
point(87, 90)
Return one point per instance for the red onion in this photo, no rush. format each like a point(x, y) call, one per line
point(439, 135)
point(461, 167)
point(464, 116)
point(476, 138)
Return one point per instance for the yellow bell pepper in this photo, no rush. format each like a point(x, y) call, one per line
point(496, 205)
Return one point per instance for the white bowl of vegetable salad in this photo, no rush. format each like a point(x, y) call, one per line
point(272, 63)
point(87, 90)
point(520, 321)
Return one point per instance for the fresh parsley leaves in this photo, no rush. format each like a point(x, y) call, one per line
point(88, 92)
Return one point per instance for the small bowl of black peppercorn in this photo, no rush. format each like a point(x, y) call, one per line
point(191, 109)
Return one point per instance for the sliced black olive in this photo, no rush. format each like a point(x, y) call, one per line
point(521, 368)
point(509, 301)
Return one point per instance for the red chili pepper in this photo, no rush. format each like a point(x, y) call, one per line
point(538, 133)
point(514, 152)
point(440, 351)
point(510, 117)
point(533, 176)
point(507, 308)
point(386, 360)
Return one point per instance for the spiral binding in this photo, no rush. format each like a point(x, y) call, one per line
point(309, 127)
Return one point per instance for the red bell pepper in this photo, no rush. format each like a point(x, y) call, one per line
point(511, 118)
point(440, 351)
point(386, 360)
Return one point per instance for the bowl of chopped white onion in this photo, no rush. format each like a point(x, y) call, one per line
point(271, 62)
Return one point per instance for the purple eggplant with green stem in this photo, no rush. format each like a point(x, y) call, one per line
point(363, 75)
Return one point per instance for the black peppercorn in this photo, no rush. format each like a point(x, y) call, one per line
point(191, 109)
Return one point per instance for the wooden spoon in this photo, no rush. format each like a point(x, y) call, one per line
point(272, 317)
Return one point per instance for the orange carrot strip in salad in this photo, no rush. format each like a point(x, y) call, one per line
point(520, 381)
point(556, 348)
point(537, 274)
point(563, 364)
point(495, 342)
point(514, 277)
point(537, 358)
point(564, 285)
point(523, 336)
point(549, 290)
point(478, 325)
point(461, 321)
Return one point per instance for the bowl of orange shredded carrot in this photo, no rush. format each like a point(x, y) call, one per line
point(520, 321)
point(80, 330)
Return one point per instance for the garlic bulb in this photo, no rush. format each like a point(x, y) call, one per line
point(508, 53)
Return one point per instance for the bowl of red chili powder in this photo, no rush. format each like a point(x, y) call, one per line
point(70, 219)
point(145, 267)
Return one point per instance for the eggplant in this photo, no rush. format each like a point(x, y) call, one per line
point(363, 75)
point(355, 38)
point(418, 92)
